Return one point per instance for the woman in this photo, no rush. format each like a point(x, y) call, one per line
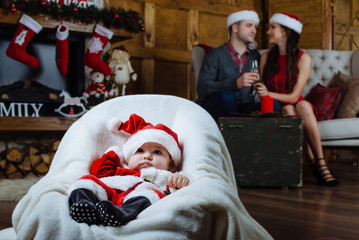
point(285, 71)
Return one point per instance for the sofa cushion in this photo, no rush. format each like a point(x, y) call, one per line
point(349, 108)
point(339, 129)
point(326, 100)
point(355, 62)
point(353, 142)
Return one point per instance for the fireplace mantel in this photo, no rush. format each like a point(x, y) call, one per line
point(35, 123)
point(49, 24)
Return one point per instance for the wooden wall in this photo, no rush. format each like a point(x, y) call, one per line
point(346, 25)
point(161, 55)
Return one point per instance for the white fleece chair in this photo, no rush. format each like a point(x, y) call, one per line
point(209, 208)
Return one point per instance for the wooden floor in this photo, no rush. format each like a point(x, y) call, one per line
point(311, 212)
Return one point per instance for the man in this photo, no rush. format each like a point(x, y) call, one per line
point(225, 80)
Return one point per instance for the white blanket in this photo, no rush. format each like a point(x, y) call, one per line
point(209, 208)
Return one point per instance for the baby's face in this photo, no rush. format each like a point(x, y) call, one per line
point(150, 155)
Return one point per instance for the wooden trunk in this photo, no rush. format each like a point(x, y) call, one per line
point(266, 152)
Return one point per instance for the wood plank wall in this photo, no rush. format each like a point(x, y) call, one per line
point(161, 55)
point(346, 25)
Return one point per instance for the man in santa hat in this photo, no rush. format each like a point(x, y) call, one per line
point(112, 195)
point(226, 77)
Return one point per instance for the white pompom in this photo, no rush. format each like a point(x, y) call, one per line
point(114, 124)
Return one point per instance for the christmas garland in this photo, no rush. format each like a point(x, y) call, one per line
point(115, 18)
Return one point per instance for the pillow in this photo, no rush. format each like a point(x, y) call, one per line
point(349, 108)
point(326, 100)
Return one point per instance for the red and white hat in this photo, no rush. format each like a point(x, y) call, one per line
point(143, 132)
point(247, 14)
point(287, 20)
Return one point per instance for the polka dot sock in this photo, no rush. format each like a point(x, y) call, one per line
point(108, 213)
point(84, 211)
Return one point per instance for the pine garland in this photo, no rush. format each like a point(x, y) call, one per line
point(115, 18)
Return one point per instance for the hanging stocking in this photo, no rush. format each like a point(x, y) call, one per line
point(26, 30)
point(62, 49)
point(93, 54)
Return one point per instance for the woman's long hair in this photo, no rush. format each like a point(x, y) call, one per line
point(271, 68)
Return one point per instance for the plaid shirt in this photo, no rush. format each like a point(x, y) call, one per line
point(239, 59)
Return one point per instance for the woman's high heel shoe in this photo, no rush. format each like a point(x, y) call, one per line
point(322, 174)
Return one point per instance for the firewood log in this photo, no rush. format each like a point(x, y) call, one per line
point(15, 175)
point(25, 165)
point(2, 163)
point(10, 169)
point(14, 155)
point(55, 146)
point(46, 158)
point(34, 157)
point(41, 169)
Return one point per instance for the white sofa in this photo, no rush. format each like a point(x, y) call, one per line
point(342, 132)
point(334, 133)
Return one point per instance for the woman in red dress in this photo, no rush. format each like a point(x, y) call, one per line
point(285, 71)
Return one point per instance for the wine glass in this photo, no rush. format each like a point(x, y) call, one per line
point(253, 92)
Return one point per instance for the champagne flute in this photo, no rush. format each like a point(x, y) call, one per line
point(253, 92)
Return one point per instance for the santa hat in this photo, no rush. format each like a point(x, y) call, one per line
point(247, 14)
point(143, 132)
point(287, 20)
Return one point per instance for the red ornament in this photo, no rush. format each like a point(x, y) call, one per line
point(13, 9)
point(143, 29)
point(117, 16)
point(43, 3)
point(76, 9)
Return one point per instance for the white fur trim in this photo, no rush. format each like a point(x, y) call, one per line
point(103, 31)
point(117, 150)
point(90, 185)
point(242, 15)
point(144, 190)
point(152, 135)
point(287, 21)
point(30, 23)
point(62, 35)
point(158, 176)
point(123, 183)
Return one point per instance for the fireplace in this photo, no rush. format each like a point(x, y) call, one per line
point(43, 47)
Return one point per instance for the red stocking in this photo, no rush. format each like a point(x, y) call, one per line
point(62, 49)
point(26, 30)
point(93, 54)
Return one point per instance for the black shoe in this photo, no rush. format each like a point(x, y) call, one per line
point(82, 203)
point(323, 175)
point(112, 215)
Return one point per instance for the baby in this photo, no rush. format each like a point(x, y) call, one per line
point(112, 195)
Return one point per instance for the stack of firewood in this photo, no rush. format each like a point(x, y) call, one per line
point(33, 160)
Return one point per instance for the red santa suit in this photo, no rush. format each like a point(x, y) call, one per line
point(117, 184)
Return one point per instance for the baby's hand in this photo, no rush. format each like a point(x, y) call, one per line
point(177, 180)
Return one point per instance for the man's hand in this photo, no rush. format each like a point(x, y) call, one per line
point(247, 79)
point(177, 180)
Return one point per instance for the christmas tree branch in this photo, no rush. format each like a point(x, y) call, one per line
point(111, 18)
